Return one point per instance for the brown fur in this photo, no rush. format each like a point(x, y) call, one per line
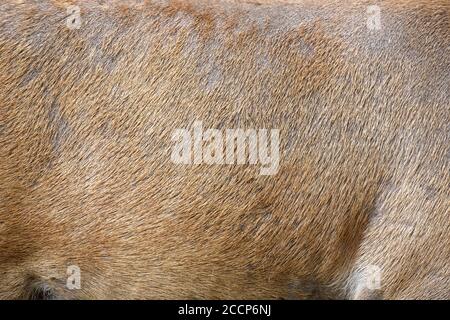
point(86, 118)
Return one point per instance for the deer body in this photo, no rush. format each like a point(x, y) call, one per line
point(86, 122)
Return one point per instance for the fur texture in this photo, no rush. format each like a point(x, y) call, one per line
point(86, 117)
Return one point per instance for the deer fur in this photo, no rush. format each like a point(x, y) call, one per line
point(86, 118)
